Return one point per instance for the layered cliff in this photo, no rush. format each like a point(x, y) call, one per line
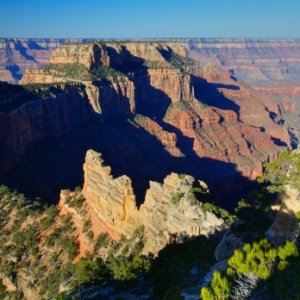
point(17, 54)
point(270, 69)
point(170, 211)
point(257, 61)
point(35, 116)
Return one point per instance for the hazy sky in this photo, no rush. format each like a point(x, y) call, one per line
point(149, 18)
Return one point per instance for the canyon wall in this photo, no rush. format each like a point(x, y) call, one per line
point(270, 69)
point(208, 123)
point(38, 119)
point(256, 61)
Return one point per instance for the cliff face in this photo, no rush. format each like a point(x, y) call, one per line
point(259, 62)
point(169, 213)
point(168, 139)
point(39, 119)
point(161, 82)
point(271, 69)
point(218, 135)
point(18, 54)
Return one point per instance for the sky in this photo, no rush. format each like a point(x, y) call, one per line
point(150, 18)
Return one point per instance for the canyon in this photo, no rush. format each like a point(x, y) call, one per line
point(149, 101)
point(119, 135)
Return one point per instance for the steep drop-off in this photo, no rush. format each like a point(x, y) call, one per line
point(155, 110)
point(38, 116)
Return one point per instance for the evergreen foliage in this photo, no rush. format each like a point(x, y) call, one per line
point(107, 74)
point(258, 259)
point(75, 71)
point(285, 170)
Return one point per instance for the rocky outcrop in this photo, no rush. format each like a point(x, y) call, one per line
point(162, 84)
point(285, 226)
point(169, 213)
point(74, 53)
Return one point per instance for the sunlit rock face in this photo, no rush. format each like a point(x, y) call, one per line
point(170, 212)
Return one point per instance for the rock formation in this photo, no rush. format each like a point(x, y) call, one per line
point(169, 213)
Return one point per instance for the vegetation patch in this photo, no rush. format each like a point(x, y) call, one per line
point(75, 71)
point(106, 74)
point(175, 199)
point(247, 267)
point(285, 170)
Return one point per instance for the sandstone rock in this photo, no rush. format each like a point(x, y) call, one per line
point(239, 143)
point(170, 212)
point(227, 245)
point(285, 226)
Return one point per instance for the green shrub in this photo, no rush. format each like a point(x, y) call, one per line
point(90, 235)
point(126, 269)
point(50, 285)
point(61, 296)
point(7, 268)
point(86, 225)
point(219, 288)
point(53, 237)
point(79, 201)
point(285, 170)
point(175, 198)
point(258, 259)
point(101, 241)
point(2, 290)
point(219, 212)
point(88, 271)
point(179, 62)
point(69, 245)
point(139, 232)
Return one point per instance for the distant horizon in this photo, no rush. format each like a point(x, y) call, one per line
point(152, 38)
point(146, 19)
